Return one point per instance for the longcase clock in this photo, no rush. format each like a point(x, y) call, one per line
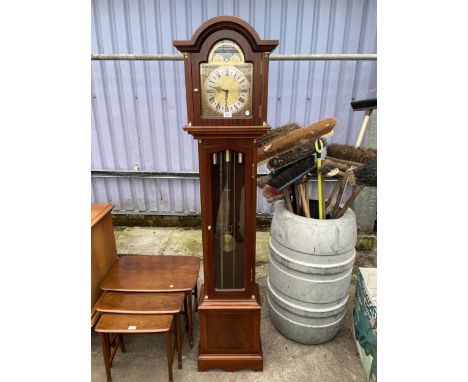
point(226, 78)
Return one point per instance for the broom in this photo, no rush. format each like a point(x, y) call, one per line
point(294, 174)
point(332, 169)
point(351, 156)
point(368, 105)
point(305, 148)
point(272, 194)
point(276, 133)
point(350, 153)
point(288, 141)
point(365, 176)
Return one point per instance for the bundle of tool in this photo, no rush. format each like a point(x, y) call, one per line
point(355, 166)
point(294, 155)
point(292, 138)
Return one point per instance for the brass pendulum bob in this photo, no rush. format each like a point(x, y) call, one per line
point(228, 242)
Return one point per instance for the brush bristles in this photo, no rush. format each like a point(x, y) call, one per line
point(366, 175)
point(292, 173)
point(351, 153)
point(272, 194)
point(276, 133)
point(289, 141)
point(304, 149)
point(262, 181)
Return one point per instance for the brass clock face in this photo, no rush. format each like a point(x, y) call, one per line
point(226, 91)
point(226, 83)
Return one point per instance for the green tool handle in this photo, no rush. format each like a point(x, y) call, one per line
point(320, 191)
point(318, 150)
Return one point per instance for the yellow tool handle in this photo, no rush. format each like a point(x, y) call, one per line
point(319, 181)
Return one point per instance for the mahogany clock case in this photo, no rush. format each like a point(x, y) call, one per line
point(229, 309)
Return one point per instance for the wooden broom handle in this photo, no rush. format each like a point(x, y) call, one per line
point(332, 194)
point(287, 200)
point(305, 204)
point(344, 182)
point(297, 198)
point(363, 127)
point(355, 193)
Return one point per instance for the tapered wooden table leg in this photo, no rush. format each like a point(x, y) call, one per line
point(106, 354)
point(190, 319)
point(169, 353)
point(122, 344)
point(196, 297)
point(186, 326)
point(178, 340)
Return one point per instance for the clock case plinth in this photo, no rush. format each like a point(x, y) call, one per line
point(229, 319)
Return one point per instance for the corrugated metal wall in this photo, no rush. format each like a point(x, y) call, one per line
point(139, 108)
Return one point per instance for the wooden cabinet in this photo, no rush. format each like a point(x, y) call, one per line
point(103, 250)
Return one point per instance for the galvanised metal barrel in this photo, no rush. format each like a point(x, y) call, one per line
point(311, 263)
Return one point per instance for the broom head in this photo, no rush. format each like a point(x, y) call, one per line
point(366, 175)
point(292, 173)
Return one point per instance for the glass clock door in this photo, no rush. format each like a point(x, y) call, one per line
point(229, 239)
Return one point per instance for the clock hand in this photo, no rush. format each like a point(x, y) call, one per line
point(220, 89)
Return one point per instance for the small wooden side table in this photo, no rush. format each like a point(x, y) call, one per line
point(146, 303)
point(140, 273)
point(103, 251)
point(131, 324)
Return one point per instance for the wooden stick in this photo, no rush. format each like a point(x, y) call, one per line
point(298, 200)
point(306, 187)
point(287, 200)
point(355, 193)
point(305, 184)
point(363, 127)
point(344, 181)
point(305, 204)
point(332, 194)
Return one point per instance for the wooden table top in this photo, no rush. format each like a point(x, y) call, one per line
point(98, 211)
point(134, 323)
point(137, 273)
point(140, 302)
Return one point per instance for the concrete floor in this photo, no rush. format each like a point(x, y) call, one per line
point(284, 360)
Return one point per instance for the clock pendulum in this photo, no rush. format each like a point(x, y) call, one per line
point(226, 78)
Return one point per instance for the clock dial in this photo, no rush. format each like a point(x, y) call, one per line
point(227, 90)
point(226, 51)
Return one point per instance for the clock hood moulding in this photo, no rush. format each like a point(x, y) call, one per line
point(249, 109)
point(225, 22)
